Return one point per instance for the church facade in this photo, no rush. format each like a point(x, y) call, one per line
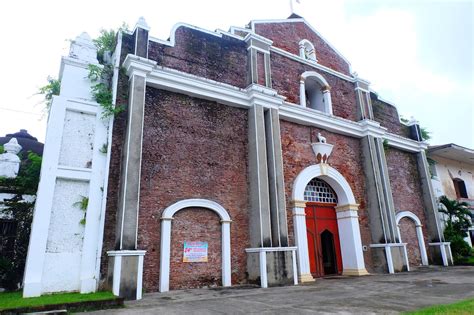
point(256, 156)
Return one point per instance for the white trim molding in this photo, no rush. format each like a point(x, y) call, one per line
point(180, 82)
point(419, 233)
point(165, 249)
point(347, 221)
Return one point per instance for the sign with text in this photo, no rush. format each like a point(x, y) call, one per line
point(195, 252)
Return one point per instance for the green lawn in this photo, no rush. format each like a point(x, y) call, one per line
point(459, 308)
point(10, 300)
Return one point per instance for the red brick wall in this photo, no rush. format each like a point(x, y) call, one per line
point(288, 35)
point(408, 235)
point(192, 148)
point(223, 59)
point(387, 116)
point(286, 75)
point(195, 224)
point(406, 189)
point(346, 158)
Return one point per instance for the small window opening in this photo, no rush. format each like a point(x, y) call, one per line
point(460, 188)
point(307, 50)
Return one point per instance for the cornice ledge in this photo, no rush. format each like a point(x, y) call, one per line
point(195, 86)
point(295, 113)
point(256, 37)
point(261, 95)
point(135, 65)
point(372, 128)
point(405, 144)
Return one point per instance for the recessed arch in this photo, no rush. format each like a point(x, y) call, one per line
point(165, 246)
point(419, 233)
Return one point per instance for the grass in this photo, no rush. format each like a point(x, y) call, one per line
point(459, 308)
point(9, 300)
point(466, 261)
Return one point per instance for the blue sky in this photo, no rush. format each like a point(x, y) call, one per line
point(416, 54)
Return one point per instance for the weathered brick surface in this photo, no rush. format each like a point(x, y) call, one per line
point(406, 189)
point(387, 116)
point(223, 59)
point(118, 134)
point(195, 224)
point(288, 35)
point(408, 235)
point(192, 149)
point(346, 158)
point(286, 75)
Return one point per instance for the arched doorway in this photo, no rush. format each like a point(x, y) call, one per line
point(346, 216)
point(324, 247)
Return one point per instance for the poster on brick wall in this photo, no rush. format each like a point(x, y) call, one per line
point(195, 252)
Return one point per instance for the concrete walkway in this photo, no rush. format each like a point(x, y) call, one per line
point(375, 294)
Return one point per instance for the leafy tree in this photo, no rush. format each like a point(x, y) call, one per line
point(456, 227)
point(49, 90)
point(21, 211)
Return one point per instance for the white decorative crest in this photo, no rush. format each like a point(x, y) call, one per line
point(141, 23)
point(9, 161)
point(12, 146)
point(83, 48)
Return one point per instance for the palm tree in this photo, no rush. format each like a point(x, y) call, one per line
point(457, 212)
point(456, 226)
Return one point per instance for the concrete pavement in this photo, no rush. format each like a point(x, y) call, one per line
point(374, 294)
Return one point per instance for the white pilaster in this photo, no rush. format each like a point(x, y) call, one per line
point(263, 269)
point(351, 244)
point(302, 93)
point(421, 243)
point(226, 270)
point(406, 257)
point(388, 253)
point(165, 252)
point(327, 101)
point(301, 240)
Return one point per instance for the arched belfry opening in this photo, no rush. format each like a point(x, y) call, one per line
point(315, 92)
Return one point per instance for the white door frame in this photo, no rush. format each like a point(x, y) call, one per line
point(165, 249)
point(347, 220)
point(419, 233)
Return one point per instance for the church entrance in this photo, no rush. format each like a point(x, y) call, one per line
point(322, 230)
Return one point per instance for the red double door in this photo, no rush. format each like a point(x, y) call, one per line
point(324, 248)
